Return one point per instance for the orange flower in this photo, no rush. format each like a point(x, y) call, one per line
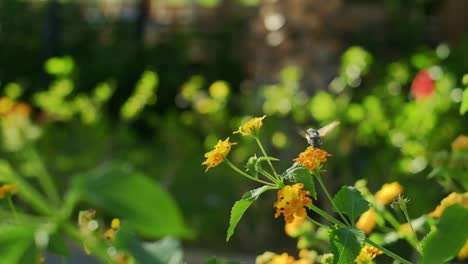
point(367, 221)
point(367, 254)
point(251, 126)
point(312, 157)
point(6, 105)
point(217, 155)
point(460, 143)
point(7, 189)
point(451, 199)
point(291, 202)
point(388, 192)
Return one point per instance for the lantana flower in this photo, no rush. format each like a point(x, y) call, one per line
point(312, 157)
point(251, 126)
point(460, 143)
point(6, 190)
point(367, 254)
point(451, 199)
point(217, 155)
point(291, 202)
point(109, 234)
point(366, 221)
point(388, 192)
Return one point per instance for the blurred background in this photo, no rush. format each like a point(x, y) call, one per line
point(156, 83)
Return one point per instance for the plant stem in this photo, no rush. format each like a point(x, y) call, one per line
point(316, 222)
point(405, 212)
point(44, 178)
point(335, 221)
point(247, 175)
point(266, 156)
point(12, 208)
point(270, 177)
point(387, 252)
point(319, 179)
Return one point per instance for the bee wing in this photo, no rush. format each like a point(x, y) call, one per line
point(326, 129)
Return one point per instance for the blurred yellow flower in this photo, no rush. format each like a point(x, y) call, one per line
point(460, 143)
point(6, 105)
point(109, 234)
point(312, 157)
point(282, 259)
point(251, 126)
point(115, 224)
point(452, 198)
point(291, 202)
point(463, 253)
point(217, 155)
point(388, 192)
point(7, 189)
point(367, 254)
point(366, 221)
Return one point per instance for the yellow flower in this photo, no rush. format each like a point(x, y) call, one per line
point(388, 192)
point(251, 126)
point(460, 143)
point(291, 202)
point(312, 157)
point(217, 155)
point(6, 190)
point(282, 259)
point(451, 199)
point(115, 224)
point(463, 253)
point(109, 234)
point(366, 221)
point(6, 105)
point(294, 228)
point(367, 254)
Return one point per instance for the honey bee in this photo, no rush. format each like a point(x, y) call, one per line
point(313, 135)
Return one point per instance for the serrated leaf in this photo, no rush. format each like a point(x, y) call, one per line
point(297, 173)
point(350, 202)
point(129, 195)
point(346, 243)
point(451, 234)
point(464, 103)
point(241, 206)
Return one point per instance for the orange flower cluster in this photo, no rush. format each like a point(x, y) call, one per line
point(312, 157)
point(217, 155)
point(6, 190)
point(460, 143)
point(284, 258)
point(251, 126)
point(8, 107)
point(366, 221)
point(291, 202)
point(388, 192)
point(367, 254)
point(453, 198)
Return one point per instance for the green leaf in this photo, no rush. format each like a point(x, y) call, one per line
point(133, 197)
point(215, 260)
point(57, 245)
point(297, 173)
point(17, 244)
point(346, 243)
point(241, 206)
point(451, 234)
point(350, 201)
point(464, 104)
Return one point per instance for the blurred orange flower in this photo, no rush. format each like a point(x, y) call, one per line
point(366, 221)
point(388, 192)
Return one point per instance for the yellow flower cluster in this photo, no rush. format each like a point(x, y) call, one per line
point(6, 190)
point(367, 221)
point(9, 107)
point(291, 202)
point(460, 143)
point(453, 198)
point(110, 233)
point(312, 157)
point(217, 155)
point(284, 258)
point(251, 126)
point(388, 192)
point(367, 254)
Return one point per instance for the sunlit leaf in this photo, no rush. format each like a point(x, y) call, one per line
point(241, 206)
point(297, 173)
point(133, 197)
point(17, 244)
point(350, 201)
point(451, 234)
point(464, 103)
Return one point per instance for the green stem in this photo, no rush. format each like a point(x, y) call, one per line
point(270, 177)
point(12, 208)
point(391, 219)
point(44, 178)
point(319, 179)
point(316, 222)
point(247, 175)
point(335, 221)
point(405, 212)
point(266, 156)
point(387, 252)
